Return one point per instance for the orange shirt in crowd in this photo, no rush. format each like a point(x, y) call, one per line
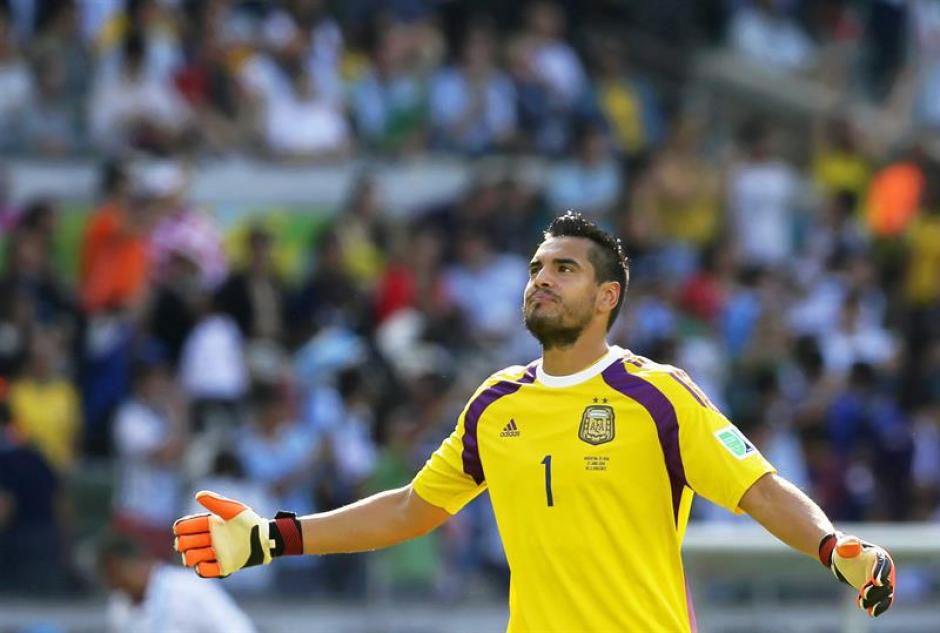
point(115, 264)
point(894, 199)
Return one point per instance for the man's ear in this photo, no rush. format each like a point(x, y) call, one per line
point(609, 295)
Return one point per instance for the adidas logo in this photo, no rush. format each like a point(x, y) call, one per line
point(510, 430)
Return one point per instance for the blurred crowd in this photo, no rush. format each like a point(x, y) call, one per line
point(802, 292)
point(311, 79)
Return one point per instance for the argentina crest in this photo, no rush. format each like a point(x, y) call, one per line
point(597, 424)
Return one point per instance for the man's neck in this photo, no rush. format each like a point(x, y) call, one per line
point(564, 361)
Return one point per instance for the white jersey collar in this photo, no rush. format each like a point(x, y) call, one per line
point(613, 352)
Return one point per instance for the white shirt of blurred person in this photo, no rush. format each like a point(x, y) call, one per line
point(856, 340)
point(212, 363)
point(473, 104)
point(322, 43)
point(554, 60)
point(302, 124)
point(180, 229)
point(149, 597)
point(763, 31)
point(148, 443)
point(131, 103)
point(591, 182)
point(762, 194)
point(485, 285)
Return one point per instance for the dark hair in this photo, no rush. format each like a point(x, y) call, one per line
point(115, 545)
point(113, 176)
point(606, 255)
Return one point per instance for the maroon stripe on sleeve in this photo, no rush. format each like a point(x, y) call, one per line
point(663, 414)
point(688, 388)
point(471, 449)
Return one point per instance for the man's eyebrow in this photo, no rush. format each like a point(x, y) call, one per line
point(566, 260)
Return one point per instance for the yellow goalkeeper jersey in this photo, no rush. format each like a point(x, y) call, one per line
point(591, 477)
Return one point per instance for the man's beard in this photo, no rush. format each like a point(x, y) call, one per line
point(555, 330)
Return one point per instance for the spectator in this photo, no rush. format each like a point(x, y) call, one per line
point(839, 163)
point(894, 195)
point(149, 596)
point(388, 101)
point(256, 296)
point(363, 232)
point(679, 195)
point(309, 22)
point(59, 41)
point(114, 264)
point(762, 197)
point(924, 29)
point(213, 371)
point(628, 102)
point(472, 104)
point(923, 261)
point(29, 278)
point(857, 341)
point(31, 514)
point(486, 287)
point(554, 61)
point(45, 405)
point(155, 25)
point(51, 126)
point(137, 108)
point(176, 305)
point(208, 84)
point(329, 296)
point(180, 228)
point(302, 124)
point(763, 31)
point(591, 182)
point(148, 436)
point(870, 433)
point(16, 86)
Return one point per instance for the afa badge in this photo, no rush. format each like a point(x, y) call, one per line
point(597, 424)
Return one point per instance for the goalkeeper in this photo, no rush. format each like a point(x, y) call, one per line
point(591, 455)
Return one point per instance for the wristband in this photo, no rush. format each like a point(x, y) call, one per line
point(826, 547)
point(286, 533)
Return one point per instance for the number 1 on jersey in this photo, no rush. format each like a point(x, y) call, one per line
point(548, 480)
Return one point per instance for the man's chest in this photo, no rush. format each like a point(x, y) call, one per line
point(593, 446)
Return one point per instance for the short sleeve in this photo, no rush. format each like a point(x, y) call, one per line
point(442, 481)
point(720, 462)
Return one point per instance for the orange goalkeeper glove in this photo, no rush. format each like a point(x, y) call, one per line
point(862, 565)
point(233, 536)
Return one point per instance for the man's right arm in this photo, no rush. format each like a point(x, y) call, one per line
point(232, 535)
point(384, 519)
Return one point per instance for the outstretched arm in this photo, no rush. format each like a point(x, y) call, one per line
point(787, 513)
point(378, 521)
point(232, 535)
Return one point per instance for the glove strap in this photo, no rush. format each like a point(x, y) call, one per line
point(826, 547)
point(286, 533)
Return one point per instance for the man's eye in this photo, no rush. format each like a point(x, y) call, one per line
point(565, 269)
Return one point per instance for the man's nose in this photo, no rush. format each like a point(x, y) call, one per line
point(543, 279)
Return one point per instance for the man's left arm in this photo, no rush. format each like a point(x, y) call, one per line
point(791, 516)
